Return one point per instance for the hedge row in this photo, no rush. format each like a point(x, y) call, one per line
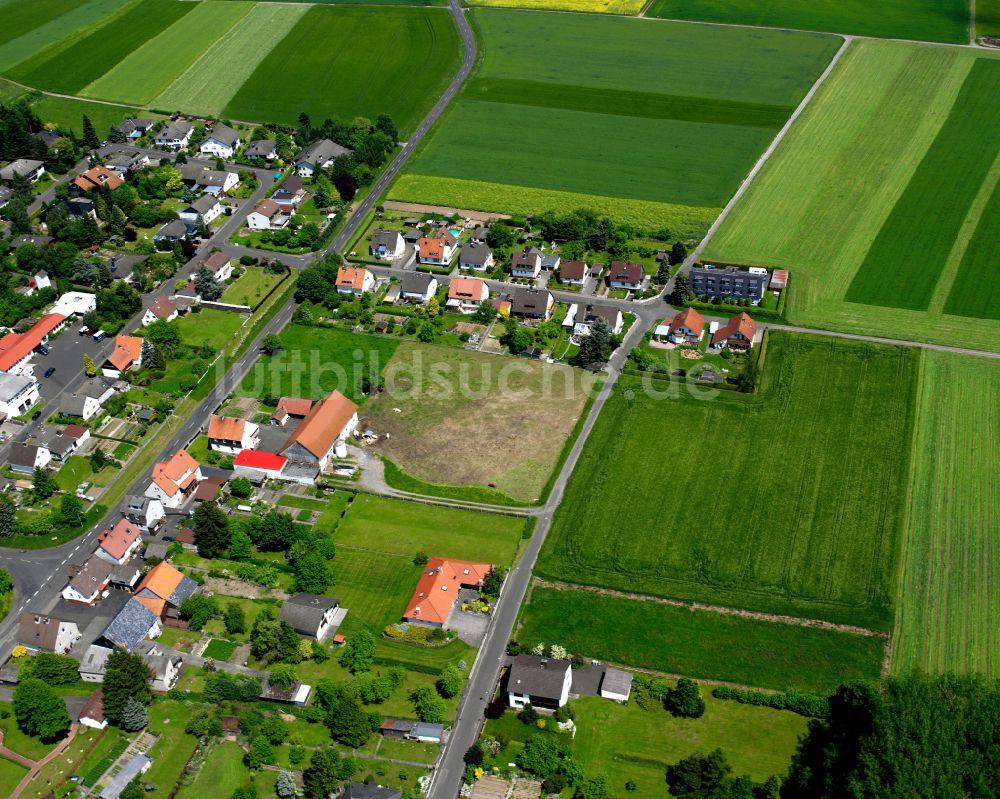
point(810, 705)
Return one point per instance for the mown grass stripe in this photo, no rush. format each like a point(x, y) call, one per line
point(68, 67)
point(20, 17)
point(902, 267)
point(976, 290)
point(621, 102)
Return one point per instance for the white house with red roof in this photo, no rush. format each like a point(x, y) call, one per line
point(174, 480)
point(736, 334)
point(119, 543)
point(354, 280)
point(126, 355)
point(686, 327)
point(226, 434)
point(258, 466)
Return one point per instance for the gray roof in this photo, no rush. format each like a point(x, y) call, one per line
point(211, 177)
point(94, 659)
point(225, 134)
point(72, 404)
point(423, 729)
point(125, 574)
point(133, 124)
point(321, 152)
point(204, 203)
point(173, 229)
point(529, 301)
point(304, 612)
point(476, 254)
point(606, 312)
point(369, 790)
point(131, 625)
point(22, 454)
point(22, 166)
point(56, 443)
point(175, 130)
point(12, 385)
point(28, 238)
point(129, 772)
point(417, 282)
point(616, 681)
point(537, 676)
point(412, 235)
point(184, 589)
point(156, 549)
point(92, 575)
point(261, 148)
point(385, 238)
point(157, 657)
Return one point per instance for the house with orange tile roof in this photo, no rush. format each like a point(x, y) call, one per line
point(438, 250)
point(95, 177)
point(126, 355)
point(164, 588)
point(226, 434)
point(119, 543)
point(290, 408)
point(736, 334)
point(438, 589)
point(686, 327)
point(323, 433)
point(465, 293)
point(354, 280)
point(174, 480)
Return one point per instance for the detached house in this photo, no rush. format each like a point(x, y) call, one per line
point(290, 193)
point(418, 287)
point(166, 664)
point(125, 162)
point(22, 167)
point(465, 293)
point(174, 480)
point(222, 141)
point(626, 275)
point(45, 634)
point(581, 318)
point(538, 681)
point(25, 458)
point(323, 433)
point(354, 280)
point(174, 135)
point(220, 265)
point(267, 215)
point(161, 308)
point(206, 208)
point(476, 256)
point(174, 230)
point(226, 434)
point(736, 334)
point(126, 355)
point(573, 272)
point(531, 303)
point(438, 250)
point(265, 149)
point(86, 585)
point(438, 589)
point(143, 512)
point(527, 263)
point(317, 156)
point(312, 615)
point(686, 327)
point(18, 393)
point(135, 128)
point(95, 177)
point(79, 405)
point(119, 543)
point(387, 244)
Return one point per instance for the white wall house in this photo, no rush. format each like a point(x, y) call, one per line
point(222, 142)
point(541, 682)
point(17, 394)
point(226, 434)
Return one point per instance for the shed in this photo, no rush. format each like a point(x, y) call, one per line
point(616, 685)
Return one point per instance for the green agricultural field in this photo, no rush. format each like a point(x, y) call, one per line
point(678, 124)
point(975, 291)
point(926, 20)
point(628, 7)
point(150, 69)
point(216, 76)
point(947, 595)
point(988, 18)
point(695, 643)
point(37, 25)
point(70, 65)
point(67, 113)
point(624, 742)
point(523, 411)
point(404, 528)
point(819, 205)
point(314, 361)
point(789, 501)
point(346, 61)
point(902, 267)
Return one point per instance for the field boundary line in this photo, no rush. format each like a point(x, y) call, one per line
point(793, 621)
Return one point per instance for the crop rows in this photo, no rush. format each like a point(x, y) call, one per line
point(975, 291)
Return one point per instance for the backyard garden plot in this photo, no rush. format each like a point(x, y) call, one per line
point(214, 78)
point(149, 70)
point(789, 501)
point(468, 418)
point(70, 65)
point(678, 123)
point(819, 204)
point(948, 602)
point(700, 644)
point(926, 20)
point(37, 25)
point(404, 528)
point(343, 61)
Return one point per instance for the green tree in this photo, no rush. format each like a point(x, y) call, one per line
point(493, 581)
point(312, 573)
point(428, 705)
point(89, 367)
point(700, 776)
point(359, 652)
point(322, 776)
point(259, 752)
point(126, 676)
point(98, 460)
point(685, 700)
point(663, 272)
point(240, 487)
point(596, 788)
point(285, 786)
point(89, 139)
point(348, 722)
point(681, 293)
point(166, 336)
point(678, 253)
point(271, 344)
point(134, 715)
point(274, 729)
point(199, 609)
point(275, 532)
point(152, 358)
point(450, 681)
point(52, 669)
point(240, 546)
point(70, 511)
point(598, 346)
point(8, 516)
point(283, 676)
point(42, 485)
point(235, 619)
point(211, 530)
point(319, 653)
point(206, 285)
point(39, 711)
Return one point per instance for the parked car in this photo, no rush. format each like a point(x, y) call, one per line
point(84, 331)
point(50, 371)
point(43, 349)
point(100, 335)
point(35, 415)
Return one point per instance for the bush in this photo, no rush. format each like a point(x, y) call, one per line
point(528, 715)
point(685, 700)
point(809, 705)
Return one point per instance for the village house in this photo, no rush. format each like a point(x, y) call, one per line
point(289, 193)
point(95, 177)
point(135, 128)
point(119, 543)
point(258, 466)
point(312, 615)
point(573, 272)
point(221, 141)
point(164, 589)
point(23, 167)
point(736, 334)
point(126, 162)
point(387, 244)
point(88, 581)
point(437, 250)
point(318, 156)
point(82, 406)
point(162, 309)
point(174, 480)
point(728, 283)
point(226, 434)
point(477, 257)
point(165, 664)
point(143, 512)
point(290, 408)
point(126, 355)
point(479, 235)
point(267, 215)
point(526, 263)
point(465, 293)
point(25, 458)
point(354, 280)
point(45, 634)
point(206, 208)
point(220, 265)
point(626, 275)
point(18, 393)
point(686, 327)
point(531, 303)
point(135, 622)
point(323, 433)
point(581, 318)
point(63, 443)
point(174, 135)
point(438, 589)
point(418, 287)
point(541, 682)
point(216, 181)
point(173, 231)
point(265, 149)
point(616, 685)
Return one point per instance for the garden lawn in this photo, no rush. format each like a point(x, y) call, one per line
point(67, 114)
point(11, 773)
point(37, 25)
point(212, 80)
point(403, 528)
point(523, 412)
point(373, 586)
point(17, 741)
point(221, 773)
point(58, 771)
point(926, 20)
point(77, 470)
point(70, 65)
point(251, 287)
point(173, 746)
point(354, 61)
point(209, 328)
point(219, 650)
point(947, 597)
point(150, 69)
point(330, 516)
point(788, 501)
point(988, 18)
point(626, 742)
point(697, 643)
point(834, 182)
point(315, 361)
